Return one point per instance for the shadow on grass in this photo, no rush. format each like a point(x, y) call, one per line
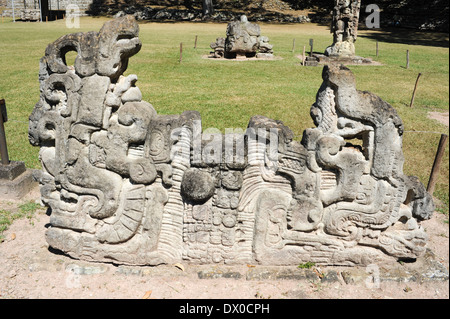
point(408, 36)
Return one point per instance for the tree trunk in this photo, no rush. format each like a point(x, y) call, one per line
point(208, 8)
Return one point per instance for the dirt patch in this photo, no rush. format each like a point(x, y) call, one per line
point(29, 269)
point(440, 117)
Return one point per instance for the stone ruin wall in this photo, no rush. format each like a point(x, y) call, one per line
point(19, 5)
point(82, 4)
point(126, 185)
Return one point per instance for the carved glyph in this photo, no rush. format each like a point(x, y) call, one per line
point(127, 185)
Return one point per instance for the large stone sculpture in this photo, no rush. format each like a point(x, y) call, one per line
point(243, 40)
point(344, 28)
point(129, 186)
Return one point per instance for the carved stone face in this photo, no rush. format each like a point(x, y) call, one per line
point(338, 75)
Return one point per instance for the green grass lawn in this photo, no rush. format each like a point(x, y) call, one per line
point(228, 93)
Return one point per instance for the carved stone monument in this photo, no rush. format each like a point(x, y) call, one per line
point(344, 28)
point(243, 40)
point(127, 185)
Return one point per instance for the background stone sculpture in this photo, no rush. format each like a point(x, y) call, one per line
point(129, 186)
point(243, 39)
point(344, 28)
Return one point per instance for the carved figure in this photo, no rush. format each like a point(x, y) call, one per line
point(127, 185)
point(344, 28)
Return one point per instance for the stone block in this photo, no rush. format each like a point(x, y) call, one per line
point(12, 170)
point(17, 182)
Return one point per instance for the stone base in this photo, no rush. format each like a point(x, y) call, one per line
point(426, 270)
point(240, 56)
point(344, 48)
point(344, 60)
point(15, 181)
point(354, 60)
point(311, 61)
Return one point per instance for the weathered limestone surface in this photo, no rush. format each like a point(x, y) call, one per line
point(15, 180)
point(130, 186)
point(30, 14)
point(243, 39)
point(344, 28)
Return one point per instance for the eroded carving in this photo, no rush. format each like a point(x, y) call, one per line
point(243, 39)
point(127, 185)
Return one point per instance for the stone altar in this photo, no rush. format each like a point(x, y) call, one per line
point(129, 186)
point(243, 40)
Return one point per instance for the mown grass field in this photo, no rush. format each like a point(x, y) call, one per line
point(228, 93)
